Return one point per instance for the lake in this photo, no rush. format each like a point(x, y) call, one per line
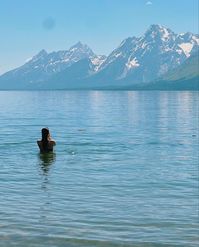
point(124, 171)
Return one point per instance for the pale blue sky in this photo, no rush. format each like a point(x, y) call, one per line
point(27, 26)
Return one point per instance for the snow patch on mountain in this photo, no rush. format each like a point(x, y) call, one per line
point(118, 54)
point(186, 47)
point(196, 39)
point(132, 63)
point(28, 59)
point(165, 34)
point(97, 61)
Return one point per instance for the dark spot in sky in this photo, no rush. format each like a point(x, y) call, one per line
point(48, 23)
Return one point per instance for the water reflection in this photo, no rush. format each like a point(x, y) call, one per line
point(46, 160)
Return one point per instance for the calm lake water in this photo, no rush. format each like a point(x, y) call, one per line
point(124, 172)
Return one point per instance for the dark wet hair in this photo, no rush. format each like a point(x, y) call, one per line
point(45, 133)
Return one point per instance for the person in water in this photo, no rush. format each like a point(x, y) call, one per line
point(46, 144)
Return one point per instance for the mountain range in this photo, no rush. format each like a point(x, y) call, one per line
point(160, 59)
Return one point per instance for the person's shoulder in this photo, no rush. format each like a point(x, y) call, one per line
point(38, 141)
point(53, 142)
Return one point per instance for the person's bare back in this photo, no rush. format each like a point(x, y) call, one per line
point(46, 144)
point(50, 146)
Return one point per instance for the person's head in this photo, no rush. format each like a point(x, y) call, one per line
point(45, 138)
point(45, 134)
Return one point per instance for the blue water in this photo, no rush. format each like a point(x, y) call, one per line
point(124, 172)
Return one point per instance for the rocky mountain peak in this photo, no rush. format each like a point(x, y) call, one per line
point(159, 32)
point(135, 60)
point(41, 54)
point(81, 48)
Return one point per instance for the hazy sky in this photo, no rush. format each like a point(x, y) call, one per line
point(27, 26)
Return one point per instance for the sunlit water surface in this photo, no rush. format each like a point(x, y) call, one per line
point(124, 172)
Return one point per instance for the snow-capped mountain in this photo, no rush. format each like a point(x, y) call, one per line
point(150, 56)
point(44, 65)
point(57, 61)
point(136, 60)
